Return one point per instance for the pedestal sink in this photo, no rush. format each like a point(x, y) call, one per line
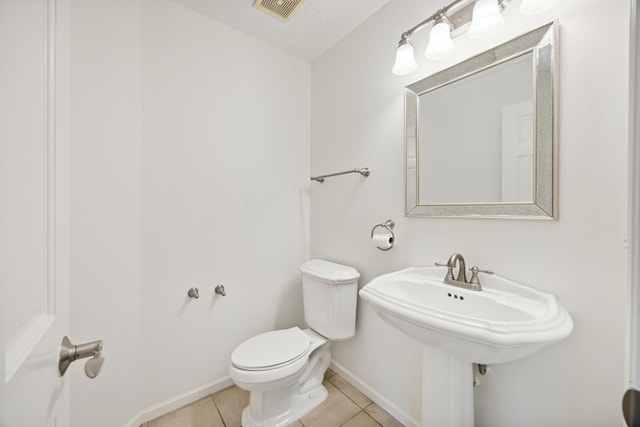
point(503, 322)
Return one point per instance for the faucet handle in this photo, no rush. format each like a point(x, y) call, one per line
point(449, 270)
point(474, 274)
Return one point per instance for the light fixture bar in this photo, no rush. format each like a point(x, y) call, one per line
point(454, 18)
point(458, 14)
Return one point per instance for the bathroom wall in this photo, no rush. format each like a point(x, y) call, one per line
point(225, 175)
point(105, 207)
point(190, 168)
point(357, 121)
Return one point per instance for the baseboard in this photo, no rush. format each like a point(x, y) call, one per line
point(374, 395)
point(179, 401)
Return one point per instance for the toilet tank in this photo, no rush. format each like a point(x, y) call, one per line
point(330, 293)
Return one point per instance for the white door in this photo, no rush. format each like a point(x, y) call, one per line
point(34, 231)
point(517, 152)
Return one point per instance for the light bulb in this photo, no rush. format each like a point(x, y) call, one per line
point(405, 59)
point(487, 19)
point(440, 43)
point(531, 7)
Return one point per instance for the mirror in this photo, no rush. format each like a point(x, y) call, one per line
point(481, 136)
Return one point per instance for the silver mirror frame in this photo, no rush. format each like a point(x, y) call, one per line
point(542, 42)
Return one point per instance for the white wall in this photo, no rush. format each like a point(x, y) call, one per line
point(357, 121)
point(225, 178)
point(105, 206)
point(190, 167)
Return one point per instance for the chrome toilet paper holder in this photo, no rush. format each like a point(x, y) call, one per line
point(387, 225)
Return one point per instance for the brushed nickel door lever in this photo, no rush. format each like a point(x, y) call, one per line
point(69, 353)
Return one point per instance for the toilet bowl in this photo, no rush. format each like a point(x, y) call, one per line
point(283, 370)
point(283, 392)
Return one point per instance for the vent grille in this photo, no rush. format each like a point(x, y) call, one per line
point(281, 9)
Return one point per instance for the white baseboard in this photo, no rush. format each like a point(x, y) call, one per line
point(374, 395)
point(179, 401)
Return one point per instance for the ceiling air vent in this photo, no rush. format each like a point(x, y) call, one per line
point(281, 9)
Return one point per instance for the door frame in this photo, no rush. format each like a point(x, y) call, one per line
point(633, 351)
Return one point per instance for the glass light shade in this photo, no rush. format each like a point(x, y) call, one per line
point(405, 60)
point(531, 7)
point(440, 43)
point(487, 19)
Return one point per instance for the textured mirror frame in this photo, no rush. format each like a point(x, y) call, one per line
point(544, 205)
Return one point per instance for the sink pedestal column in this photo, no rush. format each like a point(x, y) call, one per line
point(447, 389)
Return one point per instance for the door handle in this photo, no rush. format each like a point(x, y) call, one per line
point(631, 407)
point(69, 353)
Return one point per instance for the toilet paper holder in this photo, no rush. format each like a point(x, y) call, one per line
point(387, 225)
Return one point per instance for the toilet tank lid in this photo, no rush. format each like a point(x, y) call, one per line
point(329, 271)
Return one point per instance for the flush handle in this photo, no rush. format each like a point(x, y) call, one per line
point(69, 353)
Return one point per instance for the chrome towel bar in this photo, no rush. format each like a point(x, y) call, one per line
point(362, 171)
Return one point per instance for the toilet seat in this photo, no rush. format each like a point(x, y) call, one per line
point(271, 350)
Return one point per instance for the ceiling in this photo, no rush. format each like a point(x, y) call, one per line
point(316, 26)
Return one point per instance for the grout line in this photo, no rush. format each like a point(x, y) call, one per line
point(224, 423)
point(361, 411)
point(345, 395)
point(350, 419)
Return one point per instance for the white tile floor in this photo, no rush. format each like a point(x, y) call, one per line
point(345, 406)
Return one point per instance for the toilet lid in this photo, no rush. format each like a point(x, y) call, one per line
point(271, 349)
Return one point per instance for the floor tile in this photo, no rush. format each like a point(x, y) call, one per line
point(336, 410)
point(343, 407)
point(358, 397)
point(168, 420)
point(202, 413)
point(230, 403)
point(329, 373)
point(361, 420)
point(382, 416)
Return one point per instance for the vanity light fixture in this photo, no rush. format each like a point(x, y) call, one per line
point(480, 17)
point(440, 43)
point(405, 59)
point(486, 20)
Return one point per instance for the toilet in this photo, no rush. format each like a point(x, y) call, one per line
point(283, 370)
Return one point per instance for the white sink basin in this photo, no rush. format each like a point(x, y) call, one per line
point(505, 321)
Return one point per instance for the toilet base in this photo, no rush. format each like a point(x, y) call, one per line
point(301, 405)
point(283, 406)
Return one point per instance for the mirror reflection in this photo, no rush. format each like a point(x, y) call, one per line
point(477, 144)
point(481, 136)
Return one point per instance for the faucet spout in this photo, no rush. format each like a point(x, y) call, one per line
point(451, 264)
point(457, 260)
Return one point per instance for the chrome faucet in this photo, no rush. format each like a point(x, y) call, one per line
point(457, 260)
